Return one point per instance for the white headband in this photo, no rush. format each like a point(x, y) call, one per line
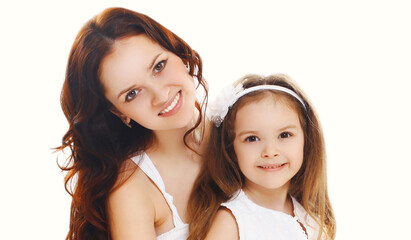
point(217, 109)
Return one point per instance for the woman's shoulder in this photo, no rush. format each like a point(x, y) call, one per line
point(130, 207)
point(134, 205)
point(132, 187)
point(133, 184)
point(128, 175)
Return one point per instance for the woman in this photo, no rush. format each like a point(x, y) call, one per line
point(135, 128)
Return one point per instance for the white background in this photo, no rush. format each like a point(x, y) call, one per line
point(352, 58)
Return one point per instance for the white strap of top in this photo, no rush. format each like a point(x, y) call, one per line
point(147, 166)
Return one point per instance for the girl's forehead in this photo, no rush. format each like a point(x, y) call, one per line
point(266, 108)
point(269, 97)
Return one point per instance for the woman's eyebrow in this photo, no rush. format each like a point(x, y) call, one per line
point(126, 90)
point(153, 62)
point(148, 69)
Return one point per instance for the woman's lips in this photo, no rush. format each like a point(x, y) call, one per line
point(172, 106)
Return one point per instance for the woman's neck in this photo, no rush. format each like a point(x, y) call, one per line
point(170, 143)
point(275, 199)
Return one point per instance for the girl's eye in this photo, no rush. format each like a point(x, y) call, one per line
point(159, 66)
point(285, 135)
point(252, 139)
point(131, 95)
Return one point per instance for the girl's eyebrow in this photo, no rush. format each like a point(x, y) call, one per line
point(246, 132)
point(288, 127)
point(291, 126)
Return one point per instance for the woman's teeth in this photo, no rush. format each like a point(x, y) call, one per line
point(172, 105)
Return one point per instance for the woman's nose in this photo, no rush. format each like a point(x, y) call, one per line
point(160, 95)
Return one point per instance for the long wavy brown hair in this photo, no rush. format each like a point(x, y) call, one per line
point(221, 178)
point(98, 141)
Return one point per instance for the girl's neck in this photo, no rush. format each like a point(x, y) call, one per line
point(275, 199)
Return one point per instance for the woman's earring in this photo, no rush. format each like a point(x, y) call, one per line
point(128, 124)
point(123, 118)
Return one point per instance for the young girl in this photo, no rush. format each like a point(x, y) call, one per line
point(129, 98)
point(264, 175)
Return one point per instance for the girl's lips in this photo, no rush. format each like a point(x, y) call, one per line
point(272, 167)
point(173, 105)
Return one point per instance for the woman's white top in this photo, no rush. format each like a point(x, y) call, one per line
point(180, 230)
point(257, 222)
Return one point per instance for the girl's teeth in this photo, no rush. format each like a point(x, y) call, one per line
point(274, 166)
point(172, 105)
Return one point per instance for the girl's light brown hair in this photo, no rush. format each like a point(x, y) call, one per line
point(98, 141)
point(221, 178)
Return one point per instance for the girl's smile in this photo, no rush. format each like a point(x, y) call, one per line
point(271, 167)
point(269, 142)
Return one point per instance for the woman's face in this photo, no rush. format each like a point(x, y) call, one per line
point(148, 84)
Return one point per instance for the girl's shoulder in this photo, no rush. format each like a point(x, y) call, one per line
point(224, 226)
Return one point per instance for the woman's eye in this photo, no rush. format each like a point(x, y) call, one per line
point(131, 95)
point(159, 66)
point(252, 139)
point(285, 135)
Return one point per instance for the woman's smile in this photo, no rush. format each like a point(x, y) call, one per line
point(172, 106)
point(159, 91)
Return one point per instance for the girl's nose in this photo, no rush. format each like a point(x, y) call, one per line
point(268, 155)
point(270, 151)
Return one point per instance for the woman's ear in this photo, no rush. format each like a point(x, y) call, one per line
point(126, 120)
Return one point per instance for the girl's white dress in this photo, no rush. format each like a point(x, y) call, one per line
point(180, 230)
point(257, 222)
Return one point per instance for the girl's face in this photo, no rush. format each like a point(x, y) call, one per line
point(148, 84)
point(269, 143)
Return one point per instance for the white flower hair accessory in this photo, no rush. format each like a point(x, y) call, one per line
point(218, 108)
